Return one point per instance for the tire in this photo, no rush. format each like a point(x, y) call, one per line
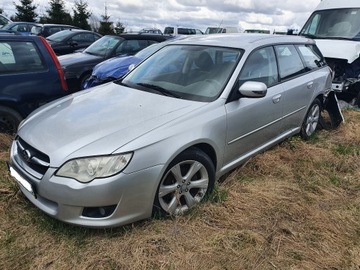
point(9, 120)
point(311, 121)
point(83, 79)
point(357, 100)
point(188, 179)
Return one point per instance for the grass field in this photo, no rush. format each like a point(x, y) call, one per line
point(296, 206)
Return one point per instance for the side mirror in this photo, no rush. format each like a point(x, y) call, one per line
point(253, 89)
point(131, 67)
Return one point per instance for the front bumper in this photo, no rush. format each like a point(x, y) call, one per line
point(129, 197)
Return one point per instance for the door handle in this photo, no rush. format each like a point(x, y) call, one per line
point(276, 99)
point(310, 85)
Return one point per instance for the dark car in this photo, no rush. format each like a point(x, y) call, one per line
point(30, 76)
point(23, 28)
point(78, 66)
point(46, 29)
point(68, 41)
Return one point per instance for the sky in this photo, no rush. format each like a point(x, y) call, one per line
point(273, 15)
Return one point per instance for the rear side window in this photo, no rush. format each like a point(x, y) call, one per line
point(312, 56)
point(290, 63)
point(169, 30)
point(84, 38)
point(132, 46)
point(19, 57)
point(53, 30)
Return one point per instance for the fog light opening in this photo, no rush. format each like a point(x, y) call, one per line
point(98, 212)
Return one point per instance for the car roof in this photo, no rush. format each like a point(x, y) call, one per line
point(76, 30)
point(19, 37)
point(14, 23)
point(243, 41)
point(55, 24)
point(145, 36)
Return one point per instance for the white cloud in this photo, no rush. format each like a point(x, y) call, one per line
point(136, 14)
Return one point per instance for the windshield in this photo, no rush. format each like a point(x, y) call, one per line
point(59, 36)
point(8, 26)
point(103, 46)
point(334, 24)
point(3, 21)
point(197, 73)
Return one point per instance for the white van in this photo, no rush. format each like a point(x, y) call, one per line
point(335, 26)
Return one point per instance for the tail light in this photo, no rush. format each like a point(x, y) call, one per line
point(57, 64)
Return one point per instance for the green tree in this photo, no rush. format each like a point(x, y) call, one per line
point(119, 28)
point(57, 13)
point(106, 25)
point(81, 15)
point(26, 11)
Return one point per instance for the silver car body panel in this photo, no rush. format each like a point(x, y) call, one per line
point(112, 118)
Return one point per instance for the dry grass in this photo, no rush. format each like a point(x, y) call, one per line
point(296, 206)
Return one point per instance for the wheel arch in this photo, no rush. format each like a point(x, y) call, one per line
point(207, 149)
point(11, 104)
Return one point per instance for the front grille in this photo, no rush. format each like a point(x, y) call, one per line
point(33, 161)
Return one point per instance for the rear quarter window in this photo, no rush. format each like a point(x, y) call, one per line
point(312, 56)
point(18, 57)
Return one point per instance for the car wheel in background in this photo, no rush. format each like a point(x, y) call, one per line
point(9, 120)
point(311, 120)
point(188, 180)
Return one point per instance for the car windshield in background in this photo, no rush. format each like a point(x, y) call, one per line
point(7, 26)
point(334, 23)
point(103, 46)
point(59, 36)
point(197, 73)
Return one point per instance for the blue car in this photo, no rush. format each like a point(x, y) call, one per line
point(30, 76)
point(24, 28)
point(116, 67)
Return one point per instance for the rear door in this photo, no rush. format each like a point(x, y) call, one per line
point(298, 85)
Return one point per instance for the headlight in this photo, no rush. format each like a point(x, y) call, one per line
point(87, 169)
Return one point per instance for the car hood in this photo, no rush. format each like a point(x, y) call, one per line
point(75, 58)
point(115, 67)
point(345, 49)
point(99, 121)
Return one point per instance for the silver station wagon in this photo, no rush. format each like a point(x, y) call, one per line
point(156, 141)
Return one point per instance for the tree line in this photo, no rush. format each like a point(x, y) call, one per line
point(56, 13)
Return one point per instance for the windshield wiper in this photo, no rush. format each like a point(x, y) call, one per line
point(159, 89)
